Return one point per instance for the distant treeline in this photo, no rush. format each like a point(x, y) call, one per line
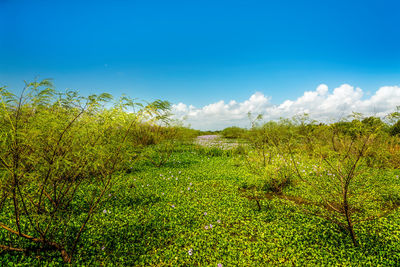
point(390, 126)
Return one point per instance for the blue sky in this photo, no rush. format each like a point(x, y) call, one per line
point(201, 52)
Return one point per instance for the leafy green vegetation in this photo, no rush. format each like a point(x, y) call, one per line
point(233, 132)
point(90, 185)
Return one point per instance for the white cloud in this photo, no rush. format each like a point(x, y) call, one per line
point(320, 104)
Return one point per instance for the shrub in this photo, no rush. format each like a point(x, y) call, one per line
point(51, 144)
point(339, 184)
point(233, 132)
point(395, 129)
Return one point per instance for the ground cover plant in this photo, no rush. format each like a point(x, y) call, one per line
point(91, 185)
point(194, 211)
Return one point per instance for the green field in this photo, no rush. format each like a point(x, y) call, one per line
point(87, 184)
point(194, 211)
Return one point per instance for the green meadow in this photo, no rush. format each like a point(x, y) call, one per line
point(86, 184)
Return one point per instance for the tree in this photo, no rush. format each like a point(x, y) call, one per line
point(51, 146)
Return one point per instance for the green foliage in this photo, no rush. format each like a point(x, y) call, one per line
point(212, 151)
point(262, 159)
point(159, 154)
point(395, 129)
point(233, 132)
point(151, 218)
point(52, 144)
point(123, 185)
point(240, 150)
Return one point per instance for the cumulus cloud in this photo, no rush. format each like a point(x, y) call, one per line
point(320, 104)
